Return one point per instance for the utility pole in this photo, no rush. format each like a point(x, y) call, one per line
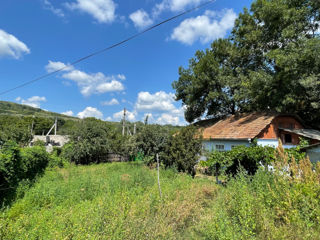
point(134, 129)
point(32, 124)
point(124, 121)
point(55, 126)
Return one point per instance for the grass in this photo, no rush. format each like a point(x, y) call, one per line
point(108, 201)
point(121, 201)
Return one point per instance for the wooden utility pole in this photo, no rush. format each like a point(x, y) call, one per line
point(124, 121)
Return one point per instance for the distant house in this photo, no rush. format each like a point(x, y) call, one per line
point(267, 129)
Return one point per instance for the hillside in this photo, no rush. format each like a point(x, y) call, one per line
point(14, 109)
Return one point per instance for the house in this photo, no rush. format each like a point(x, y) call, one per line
point(266, 128)
point(313, 152)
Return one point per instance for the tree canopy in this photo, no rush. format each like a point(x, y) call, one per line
point(270, 62)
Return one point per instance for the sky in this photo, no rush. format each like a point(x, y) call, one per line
point(41, 36)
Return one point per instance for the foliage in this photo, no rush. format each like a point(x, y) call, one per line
point(11, 166)
point(91, 141)
point(151, 139)
point(108, 201)
point(229, 162)
point(18, 165)
point(269, 63)
point(34, 161)
point(14, 129)
point(121, 201)
point(182, 150)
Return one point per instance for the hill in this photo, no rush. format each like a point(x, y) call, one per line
point(14, 109)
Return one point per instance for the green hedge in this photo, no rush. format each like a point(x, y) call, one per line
point(18, 163)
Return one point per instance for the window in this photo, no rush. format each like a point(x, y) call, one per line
point(220, 147)
point(233, 146)
point(287, 138)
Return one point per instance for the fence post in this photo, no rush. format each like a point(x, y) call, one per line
point(159, 176)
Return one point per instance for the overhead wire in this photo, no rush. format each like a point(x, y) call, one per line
point(107, 48)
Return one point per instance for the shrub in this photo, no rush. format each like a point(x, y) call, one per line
point(152, 140)
point(34, 161)
point(182, 150)
point(10, 164)
point(250, 158)
point(91, 141)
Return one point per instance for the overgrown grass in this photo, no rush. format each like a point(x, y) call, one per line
point(121, 201)
point(108, 201)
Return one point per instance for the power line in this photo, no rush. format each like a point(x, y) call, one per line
point(107, 48)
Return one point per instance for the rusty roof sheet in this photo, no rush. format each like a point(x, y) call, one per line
point(243, 126)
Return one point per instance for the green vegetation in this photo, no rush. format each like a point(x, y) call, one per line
point(14, 109)
point(108, 201)
point(121, 201)
point(182, 150)
point(269, 63)
point(19, 165)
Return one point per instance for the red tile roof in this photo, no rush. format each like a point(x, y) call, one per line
point(242, 126)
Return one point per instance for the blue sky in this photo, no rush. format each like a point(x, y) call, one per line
point(40, 36)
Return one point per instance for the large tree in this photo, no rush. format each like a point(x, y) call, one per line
point(271, 61)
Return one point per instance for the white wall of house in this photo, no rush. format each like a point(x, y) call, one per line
point(268, 142)
point(272, 143)
point(211, 145)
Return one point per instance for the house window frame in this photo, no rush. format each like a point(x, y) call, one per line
point(220, 147)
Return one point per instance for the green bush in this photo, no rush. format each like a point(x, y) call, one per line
point(34, 161)
point(91, 141)
point(11, 170)
point(250, 158)
point(18, 165)
point(182, 150)
point(152, 140)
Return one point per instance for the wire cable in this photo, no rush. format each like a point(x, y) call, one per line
point(107, 48)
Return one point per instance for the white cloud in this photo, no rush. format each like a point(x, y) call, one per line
point(113, 101)
point(90, 112)
point(140, 19)
point(54, 66)
point(158, 102)
point(131, 116)
point(89, 83)
point(68, 113)
point(101, 10)
point(204, 28)
point(160, 108)
point(34, 101)
point(11, 46)
point(48, 6)
point(166, 118)
point(174, 5)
